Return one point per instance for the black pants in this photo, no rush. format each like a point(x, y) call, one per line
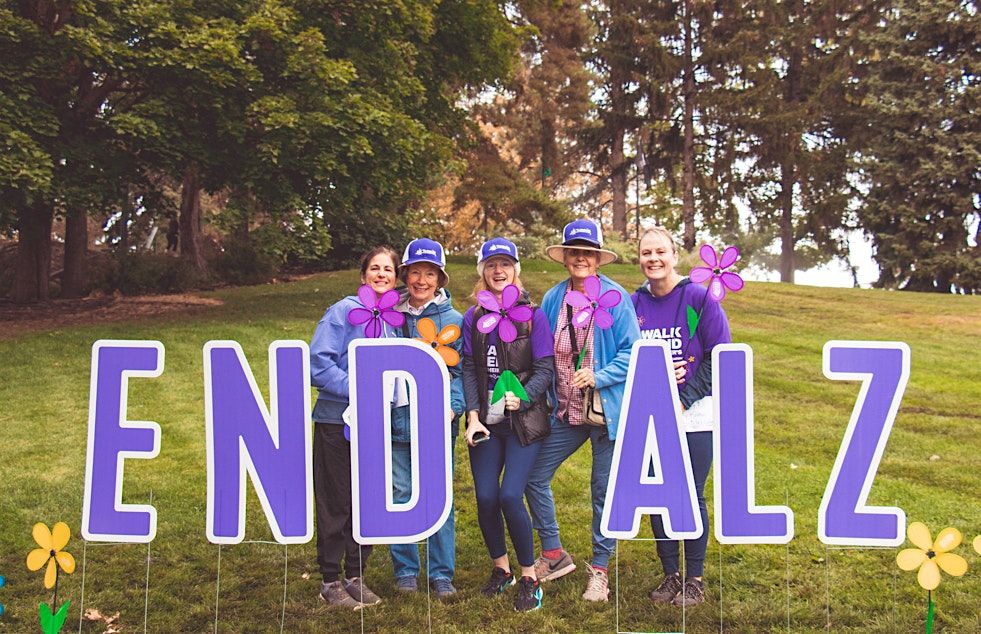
point(332, 491)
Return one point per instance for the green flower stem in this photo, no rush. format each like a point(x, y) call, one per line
point(930, 607)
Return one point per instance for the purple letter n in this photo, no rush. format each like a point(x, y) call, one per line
point(276, 449)
point(374, 366)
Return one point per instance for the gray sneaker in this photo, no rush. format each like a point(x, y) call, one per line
point(668, 589)
point(356, 587)
point(442, 588)
point(548, 569)
point(334, 594)
point(407, 585)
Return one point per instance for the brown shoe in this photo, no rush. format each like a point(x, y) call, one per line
point(334, 595)
point(668, 590)
point(692, 594)
point(548, 569)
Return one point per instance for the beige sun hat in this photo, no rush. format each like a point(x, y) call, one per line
point(581, 234)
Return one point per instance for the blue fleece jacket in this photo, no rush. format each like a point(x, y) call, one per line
point(328, 359)
point(442, 314)
point(611, 349)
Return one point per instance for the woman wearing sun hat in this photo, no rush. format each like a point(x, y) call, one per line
point(604, 361)
point(506, 436)
point(423, 272)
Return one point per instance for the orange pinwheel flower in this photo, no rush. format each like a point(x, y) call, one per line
point(932, 556)
point(51, 543)
point(441, 340)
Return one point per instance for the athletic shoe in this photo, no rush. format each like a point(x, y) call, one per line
point(548, 569)
point(407, 585)
point(597, 586)
point(500, 580)
point(334, 594)
point(668, 589)
point(529, 595)
point(693, 593)
point(442, 588)
point(360, 592)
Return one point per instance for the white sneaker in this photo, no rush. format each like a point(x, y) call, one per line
point(597, 586)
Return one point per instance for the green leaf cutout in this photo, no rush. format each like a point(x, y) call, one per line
point(508, 382)
point(51, 623)
point(692, 321)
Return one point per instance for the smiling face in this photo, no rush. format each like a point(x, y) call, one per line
point(499, 271)
point(581, 263)
point(380, 273)
point(422, 280)
point(657, 258)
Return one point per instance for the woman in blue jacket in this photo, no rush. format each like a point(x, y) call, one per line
point(604, 366)
point(423, 271)
point(331, 450)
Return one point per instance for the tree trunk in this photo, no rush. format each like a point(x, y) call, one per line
point(33, 253)
point(688, 95)
point(788, 162)
point(74, 279)
point(190, 218)
point(618, 182)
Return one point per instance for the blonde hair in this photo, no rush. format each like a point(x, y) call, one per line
point(659, 231)
point(481, 285)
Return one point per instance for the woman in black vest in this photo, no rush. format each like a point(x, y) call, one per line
point(505, 436)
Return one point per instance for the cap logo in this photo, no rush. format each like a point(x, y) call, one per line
point(579, 230)
point(431, 252)
point(499, 247)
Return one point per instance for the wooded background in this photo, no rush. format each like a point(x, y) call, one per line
point(289, 134)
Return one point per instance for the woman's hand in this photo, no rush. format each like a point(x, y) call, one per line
point(680, 370)
point(583, 378)
point(511, 402)
point(474, 426)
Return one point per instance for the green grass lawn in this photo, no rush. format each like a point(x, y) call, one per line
point(930, 468)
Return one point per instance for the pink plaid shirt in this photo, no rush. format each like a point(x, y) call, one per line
point(570, 398)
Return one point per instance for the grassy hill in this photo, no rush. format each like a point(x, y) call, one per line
point(930, 469)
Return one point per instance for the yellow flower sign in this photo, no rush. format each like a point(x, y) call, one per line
point(932, 556)
point(50, 544)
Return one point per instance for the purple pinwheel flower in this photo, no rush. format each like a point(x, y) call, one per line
point(593, 305)
point(503, 314)
point(716, 271)
point(375, 310)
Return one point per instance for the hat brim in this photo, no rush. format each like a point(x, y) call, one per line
point(444, 277)
point(556, 253)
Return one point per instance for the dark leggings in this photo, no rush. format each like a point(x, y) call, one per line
point(503, 452)
point(700, 451)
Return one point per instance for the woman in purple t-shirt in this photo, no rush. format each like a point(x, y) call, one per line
point(506, 436)
point(662, 306)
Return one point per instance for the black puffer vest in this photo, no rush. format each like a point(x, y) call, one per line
point(531, 424)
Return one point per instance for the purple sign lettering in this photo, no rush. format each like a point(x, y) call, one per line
point(844, 518)
point(112, 439)
point(276, 449)
point(738, 520)
point(375, 367)
point(651, 402)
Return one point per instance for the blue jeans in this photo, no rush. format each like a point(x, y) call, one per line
point(441, 546)
point(700, 451)
point(564, 440)
point(497, 495)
